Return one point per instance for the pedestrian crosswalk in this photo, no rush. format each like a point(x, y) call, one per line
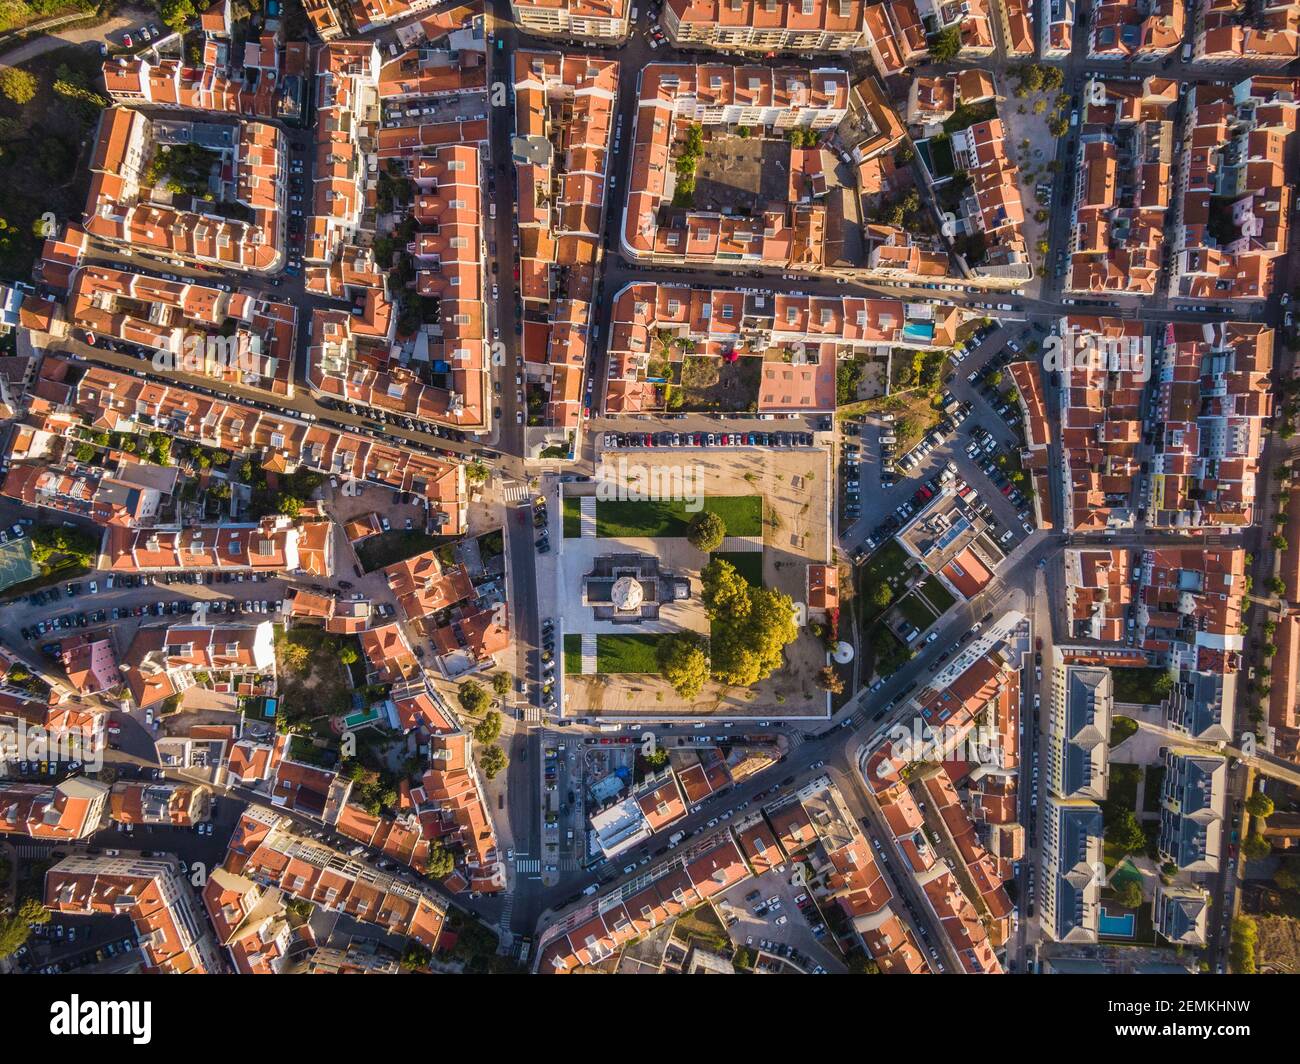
point(569, 864)
point(532, 714)
point(507, 911)
point(528, 864)
point(515, 492)
point(587, 508)
point(796, 738)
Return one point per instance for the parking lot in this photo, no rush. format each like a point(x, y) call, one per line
point(775, 914)
point(978, 439)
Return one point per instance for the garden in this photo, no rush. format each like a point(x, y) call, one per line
point(670, 518)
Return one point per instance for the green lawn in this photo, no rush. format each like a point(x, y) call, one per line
point(937, 595)
point(669, 518)
point(627, 653)
point(1120, 729)
point(572, 654)
point(748, 563)
point(572, 517)
point(1141, 686)
point(1123, 789)
point(917, 612)
point(889, 563)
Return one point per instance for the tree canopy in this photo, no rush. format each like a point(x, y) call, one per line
point(706, 532)
point(751, 625)
point(472, 697)
point(683, 663)
point(492, 760)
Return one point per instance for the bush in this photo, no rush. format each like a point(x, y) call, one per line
point(17, 85)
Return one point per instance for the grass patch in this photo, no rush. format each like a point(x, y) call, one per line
point(917, 612)
point(703, 927)
point(572, 654)
point(669, 518)
point(1123, 788)
point(572, 514)
point(1140, 686)
point(627, 653)
point(937, 595)
point(388, 548)
point(748, 563)
point(887, 565)
point(1121, 728)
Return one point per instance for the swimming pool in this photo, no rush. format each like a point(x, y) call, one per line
point(1116, 926)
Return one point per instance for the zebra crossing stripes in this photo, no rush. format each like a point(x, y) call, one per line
point(528, 864)
point(516, 492)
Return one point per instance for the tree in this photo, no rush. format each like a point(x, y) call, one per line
point(492, 760)
point(1164, 683)
point(1125, 833)
point(17, 85)
point(751, 625)
point(288, 505)
point(441, 863)
point(476, 472)
point(415, 957)
point(706, 531)
point(1242, 948)
point(683, 663)
point(1287, 877)
point(828, 679)
point(487, 730)
point(294, 657)
point(1278, 541)
point(882, 595)
point(1130, 894)
point(472, 697)
point(946, 44)
point(348, 654)
point(1259, 806)
point(14, 933)
point(32, 911)
point(1256, 848)
point(501, 684)
point(176, 13)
